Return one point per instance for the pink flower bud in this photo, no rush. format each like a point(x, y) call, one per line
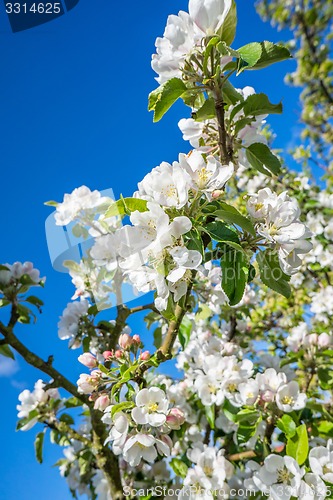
point(102, 402)
point(144, 356)
point(107, 354)
point(125, 341)
point(175, 419)
point(118, 354)
point(216, 194)
point(324, 340)
point(88, 360)
point(311, 339)
point(136, 339)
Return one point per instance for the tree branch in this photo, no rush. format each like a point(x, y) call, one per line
point(44, 366)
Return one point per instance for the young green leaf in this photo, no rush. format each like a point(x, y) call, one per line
point(260, 157)
point(287, 425)
point(161, 99)
point(298, 445)
point(125, 206)
point(219, 231)
point(228, 29)
point(206, 112)
point(259, 104)
point(231, 215)
point(184, 332)
point(235, 270)
point(6, 351)
point(39, 447)
point(271, 273)
point(179, 467)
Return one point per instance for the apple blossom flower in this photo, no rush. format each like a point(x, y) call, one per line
point(72, 315)
point(32, 401)
point(101, 486)
point(140, 446)
point(209, 15)
point(104, 252)
point(151, 407)
point(15, 271)
point(279, 477)
point(206, 175)
point(321, 461)
point(288, 397)
point(166, 184)
point(88, 383)
point(88, 360)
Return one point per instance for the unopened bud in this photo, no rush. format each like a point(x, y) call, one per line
point(88, 360)
point(107, 354)
point(175, 419)
point(102, 402)
point(125, 341)
point(144, 356)
point(216, 194)
point(324, 340)
point(118, 354)
point(136, 339)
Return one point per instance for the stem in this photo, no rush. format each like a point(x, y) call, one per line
point(225, 154)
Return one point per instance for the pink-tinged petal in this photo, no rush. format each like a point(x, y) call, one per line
point(149, 454)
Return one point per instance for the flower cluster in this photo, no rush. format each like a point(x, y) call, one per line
point(281, 226)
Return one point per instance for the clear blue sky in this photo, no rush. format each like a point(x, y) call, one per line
point(73, 100)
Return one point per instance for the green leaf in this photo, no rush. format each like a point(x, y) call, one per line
point(72, 403)
point(39, 447)
point(325, 378)
point(260, 157)
point(260, 55)
point(125, 206)
point(161, 99)
point(125, 405)
point(250, 55)
point(6, 351)
point(228, 29)
point(158, 337)
point(271, 273)
point(210, 415)
point(298, 445)
point(219, 231)
point(247, 415)
point(184, 332)
point(326, 428)
point(24, 421)
point(4, 302)
point(195, 241)
point(51, 203)
point(259, 104)
point(206, 112)
point(230, 94)
point(234, 274)
point(287, 425)
point(245, 431)
point(67, 419)
point(179, 467)
point(232, 216)
point(35, 301)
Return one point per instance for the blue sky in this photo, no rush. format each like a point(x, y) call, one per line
point(73, 97)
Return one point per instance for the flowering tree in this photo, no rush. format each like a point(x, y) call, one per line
point(241, 277)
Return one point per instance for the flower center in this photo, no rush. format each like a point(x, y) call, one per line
point(208, 470)
point(203, 177)
point(258, 206)
point(288, 400)
point(232, 387)
point(283, 476)
point(152, 407)
point(170, 191)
